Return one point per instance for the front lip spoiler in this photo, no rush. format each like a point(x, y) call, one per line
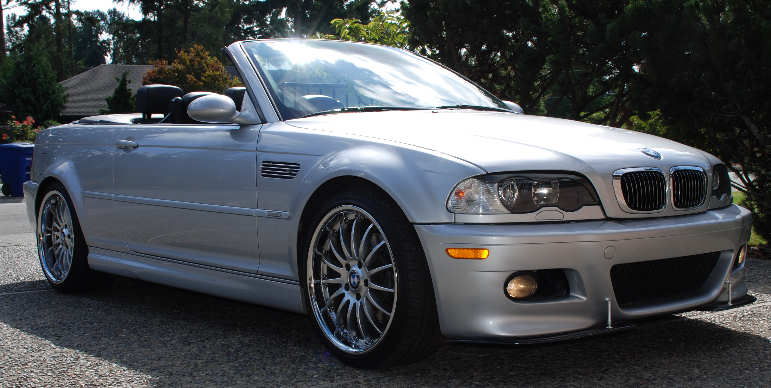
point(722, 306)
point(600, 330)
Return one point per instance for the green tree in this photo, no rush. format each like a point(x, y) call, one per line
point(389, 29)
point(706, 68)
point(128, 43)
point(89, 47)
point(121, 101)
point(29, 86)
point(571, 59)
point(193, 70)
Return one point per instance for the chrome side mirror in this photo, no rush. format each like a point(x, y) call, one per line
point(514, 107)
point(216, 108)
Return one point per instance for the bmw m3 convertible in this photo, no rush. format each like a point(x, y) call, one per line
point(393, 201)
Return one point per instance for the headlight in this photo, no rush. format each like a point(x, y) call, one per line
point(521, 193)
point(720, 187)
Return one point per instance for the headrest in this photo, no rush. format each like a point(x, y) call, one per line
point(237, 94)
point(178, 108)
point(155, 98)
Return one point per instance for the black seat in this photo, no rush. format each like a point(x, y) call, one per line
point(155, 98)
point(178, 108)
point(237, 95)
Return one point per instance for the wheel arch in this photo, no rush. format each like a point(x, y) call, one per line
point(45, 184)
point(326, 191)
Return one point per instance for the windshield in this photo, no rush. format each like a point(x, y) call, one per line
point(307, 77)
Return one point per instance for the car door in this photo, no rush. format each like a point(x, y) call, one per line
point(187, 193)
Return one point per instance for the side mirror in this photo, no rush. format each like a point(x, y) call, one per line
point(514, 107)
point(216, 108)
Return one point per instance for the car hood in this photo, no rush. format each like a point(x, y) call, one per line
point(501, 141)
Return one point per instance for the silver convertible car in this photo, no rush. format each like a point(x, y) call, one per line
point(393, 201)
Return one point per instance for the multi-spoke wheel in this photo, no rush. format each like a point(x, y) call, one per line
point(366, 282)
point(60, 245)
point(352, 279)
point(56, 237)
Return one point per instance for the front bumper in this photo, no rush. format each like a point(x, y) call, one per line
point(469, 293)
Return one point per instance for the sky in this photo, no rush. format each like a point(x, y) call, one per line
point(90, 5)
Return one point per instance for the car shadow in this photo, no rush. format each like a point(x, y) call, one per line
point(185, 338)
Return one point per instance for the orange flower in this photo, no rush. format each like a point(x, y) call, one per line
point(5, 136)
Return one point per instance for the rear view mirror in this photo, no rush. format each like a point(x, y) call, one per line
point(514, 107)
point(216, 108)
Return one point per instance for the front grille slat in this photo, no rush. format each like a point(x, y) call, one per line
point(689, 187)
point(643, 190)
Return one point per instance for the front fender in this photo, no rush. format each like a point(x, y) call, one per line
point(418, 181)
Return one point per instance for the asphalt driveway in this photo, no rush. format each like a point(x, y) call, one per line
point(136, 333)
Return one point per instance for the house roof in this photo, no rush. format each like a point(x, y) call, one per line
point(87, 91)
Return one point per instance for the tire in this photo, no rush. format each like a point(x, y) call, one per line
point(6, 190)
point(369, 298)
point(62, 250)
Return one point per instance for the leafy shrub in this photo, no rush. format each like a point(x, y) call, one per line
point(194, 70)
point(20, 130)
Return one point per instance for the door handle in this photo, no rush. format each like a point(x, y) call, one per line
point(127, 145)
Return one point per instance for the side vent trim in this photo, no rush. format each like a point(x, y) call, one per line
point(279, 170)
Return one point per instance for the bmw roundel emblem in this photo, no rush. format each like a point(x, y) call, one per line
point(355, 279)
point(653, 154)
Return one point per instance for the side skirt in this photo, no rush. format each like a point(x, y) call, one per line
point(263, 290)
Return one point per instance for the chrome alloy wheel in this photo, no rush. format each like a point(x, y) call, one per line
point(55, 237)
point(352, 279)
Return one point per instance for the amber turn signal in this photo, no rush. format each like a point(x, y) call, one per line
point(742, 255)
point(468, 253)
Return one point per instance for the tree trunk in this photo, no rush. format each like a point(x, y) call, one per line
point(160, 37)
point(186, 22)
point(59, 46)
point(69, 38)
point(2, 33)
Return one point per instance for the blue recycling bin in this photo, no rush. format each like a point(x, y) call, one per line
point(15, 162)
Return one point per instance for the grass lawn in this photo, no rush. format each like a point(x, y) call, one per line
point(755, 239)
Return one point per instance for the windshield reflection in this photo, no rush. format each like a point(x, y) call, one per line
point(306, 77)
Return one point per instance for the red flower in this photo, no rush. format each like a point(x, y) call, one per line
point(30, 119)
point(5, 136)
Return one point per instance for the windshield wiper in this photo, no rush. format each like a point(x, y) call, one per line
point(363, 109)
point(474, 107)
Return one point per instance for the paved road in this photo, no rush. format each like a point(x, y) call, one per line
point(137, 334)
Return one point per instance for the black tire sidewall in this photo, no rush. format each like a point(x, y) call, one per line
point(77, 277)
point(409, 261)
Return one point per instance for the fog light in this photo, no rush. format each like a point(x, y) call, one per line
point(522, 286)
point(468, 253)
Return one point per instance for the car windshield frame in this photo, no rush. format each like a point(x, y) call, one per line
point(325, 104)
